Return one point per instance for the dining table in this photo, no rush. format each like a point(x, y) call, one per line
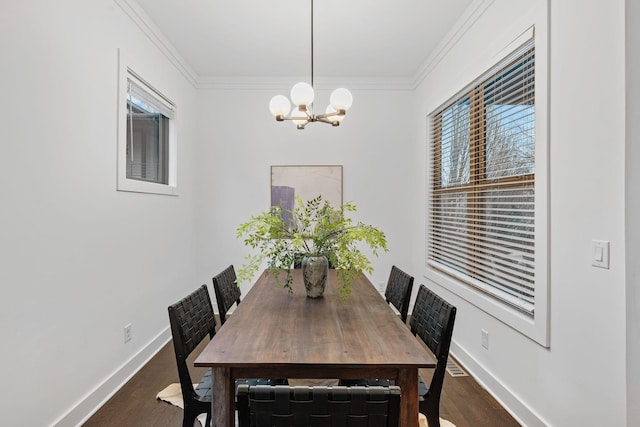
point(277, 333)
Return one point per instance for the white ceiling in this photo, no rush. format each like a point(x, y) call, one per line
point(271, 39)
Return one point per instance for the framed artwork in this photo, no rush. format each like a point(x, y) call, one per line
point(306, 182)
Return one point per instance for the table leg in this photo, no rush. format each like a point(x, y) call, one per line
point(408, 382)
point(223, 407)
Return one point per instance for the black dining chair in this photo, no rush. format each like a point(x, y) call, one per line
point(191, 320)
point(227, 291)
point(398, 291)
point(268, 406)
point(432, 320)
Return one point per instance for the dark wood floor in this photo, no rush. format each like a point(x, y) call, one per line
point(464, 402)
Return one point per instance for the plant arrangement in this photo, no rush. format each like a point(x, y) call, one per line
point(312, 228)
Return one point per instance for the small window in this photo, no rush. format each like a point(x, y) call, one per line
point(147, 140)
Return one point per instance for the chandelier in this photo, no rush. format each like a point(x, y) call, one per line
point(302, 96)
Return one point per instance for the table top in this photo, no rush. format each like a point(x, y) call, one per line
point(274, 328)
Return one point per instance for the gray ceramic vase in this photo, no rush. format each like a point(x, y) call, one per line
point(314, 272)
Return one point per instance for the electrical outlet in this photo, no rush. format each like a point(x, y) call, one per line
point(484, 339)
point(127, 333)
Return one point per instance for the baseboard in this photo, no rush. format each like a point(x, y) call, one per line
point(87, 406)
point(505, 397)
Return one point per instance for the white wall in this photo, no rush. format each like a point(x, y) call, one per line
point(240, 140)
point(580, 379)
point(79, 259)
point(633, 210)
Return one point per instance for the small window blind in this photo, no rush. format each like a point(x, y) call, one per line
point(148, 123)
point(481, 183)
point(149, 99)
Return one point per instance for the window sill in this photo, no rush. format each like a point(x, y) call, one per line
point(135, 186)
point(535, 328)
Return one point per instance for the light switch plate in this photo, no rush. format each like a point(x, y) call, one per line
point(600, 253)
point(484, 339)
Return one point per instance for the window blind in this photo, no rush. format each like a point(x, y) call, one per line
point(148, 122)
point(148, 102)
point(482, 174)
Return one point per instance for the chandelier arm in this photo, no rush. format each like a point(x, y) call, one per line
point(309, 119)
point(324, 120)
point(332, 114)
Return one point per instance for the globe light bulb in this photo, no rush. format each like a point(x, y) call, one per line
point(299, 117)
point(302, 94)
point(341, 99)
point(336, 118)
point(279, 105)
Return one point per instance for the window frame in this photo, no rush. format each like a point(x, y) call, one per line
point(126, 73)
point(534, 326)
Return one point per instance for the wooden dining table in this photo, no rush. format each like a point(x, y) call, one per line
point(277, 334)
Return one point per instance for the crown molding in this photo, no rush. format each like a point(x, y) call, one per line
point(140, 18)
point(466, 21)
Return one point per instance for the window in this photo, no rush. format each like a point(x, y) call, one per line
point(481, 228)
point(147, 137)
point(148, 124)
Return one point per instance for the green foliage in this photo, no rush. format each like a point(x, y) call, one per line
point(315, 228)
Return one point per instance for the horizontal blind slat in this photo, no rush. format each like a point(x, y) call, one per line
point(511, 284)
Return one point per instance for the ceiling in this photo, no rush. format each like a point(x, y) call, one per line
point(272, 39)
